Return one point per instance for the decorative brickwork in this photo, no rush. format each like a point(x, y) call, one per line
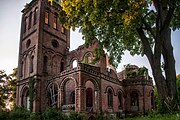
point(67, 79)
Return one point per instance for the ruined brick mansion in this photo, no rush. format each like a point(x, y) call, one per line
point(66, 79)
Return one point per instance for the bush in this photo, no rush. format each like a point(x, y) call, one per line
point(76, 116)
point(3, 115)
point(19, 113)
point(53, 114)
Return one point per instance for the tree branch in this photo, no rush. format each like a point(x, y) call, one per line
point(146, 45)
point(148, 28)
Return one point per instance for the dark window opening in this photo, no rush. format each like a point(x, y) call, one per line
point(45, 64)
point(35, 15)
point(110, 98)
point(30, 19)
point(89, 97)
point(32, 64)
point(25, 24)
point(134, 101)
point(55, 43)
point(72, 97)
point(28, 43)
point(62, 67)
point(120, 100)
point(22, 70)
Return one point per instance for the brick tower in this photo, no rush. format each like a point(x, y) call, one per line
point(43, 46)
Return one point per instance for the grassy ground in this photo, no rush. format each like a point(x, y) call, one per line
point(175, 116)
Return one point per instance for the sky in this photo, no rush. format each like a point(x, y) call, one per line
point(10, 23)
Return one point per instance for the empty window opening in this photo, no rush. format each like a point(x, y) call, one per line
point(52, 96)
point(45, 64)
point(47, 17)
point(32, 64)
point(74, 64)
point(110, 98)
point(35, 15)
point(30, 19)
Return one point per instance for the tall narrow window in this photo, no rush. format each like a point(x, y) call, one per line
point(22, 69)
point(120, 99)
point(63, 29)
point(47, 17)
point(45, 64)
point(55, 22)
point(62, 66)
point(25, 24)
point(31, 64)
point(89, 97)
point(110, 98)
point(52, 95)
point(30, 19)
point(134, 101)
point(35, 15)
point(74, 64)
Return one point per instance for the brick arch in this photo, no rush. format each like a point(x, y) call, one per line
point(23, 89)
point(135, 90)
point(88, 53)
point(72, 60)
point(96, 85)
point(149, 93)
point(61, 85)
point(120, 90)
point(110, 87)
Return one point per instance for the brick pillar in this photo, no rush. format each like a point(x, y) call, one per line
point(81, 99)
point(97, 101)
point(61, 101)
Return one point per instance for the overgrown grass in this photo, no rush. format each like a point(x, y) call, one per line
point(175, 116)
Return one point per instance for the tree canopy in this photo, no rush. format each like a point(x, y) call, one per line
point(140, 26)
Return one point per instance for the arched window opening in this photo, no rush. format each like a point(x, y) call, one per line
point(110, 98)
point(55, 22)
point(22, 69)
point(26, 102)
point(35, 16)
point(25, 24)
point(134, 101)
point(74, 63)
point(89, 97)
point(63, 29)
point(69, 92)
point(152, 100)
point(45, 64)
point(32, 64)
point(88, 58)
point(62, 66)
point(72, 97)
point(30, 19)
point(120, 98)
point(46, 17)
point(52, 96)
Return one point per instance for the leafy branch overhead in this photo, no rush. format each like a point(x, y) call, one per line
point(115, 23)
point(139, 26)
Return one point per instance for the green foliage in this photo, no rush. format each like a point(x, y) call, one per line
point(32, 91)
point(19, 113)
point(7, 89)
point(178, 88)
point(76, 116)
point(53, 114)
point(3, 115)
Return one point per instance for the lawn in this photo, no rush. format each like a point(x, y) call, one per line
point(175, 116)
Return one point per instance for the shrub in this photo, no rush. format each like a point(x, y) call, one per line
point(53, 114)
point(19, 113)
point(76, 116)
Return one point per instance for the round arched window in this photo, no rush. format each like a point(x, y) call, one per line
point(55, 43)
point(28, 43)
